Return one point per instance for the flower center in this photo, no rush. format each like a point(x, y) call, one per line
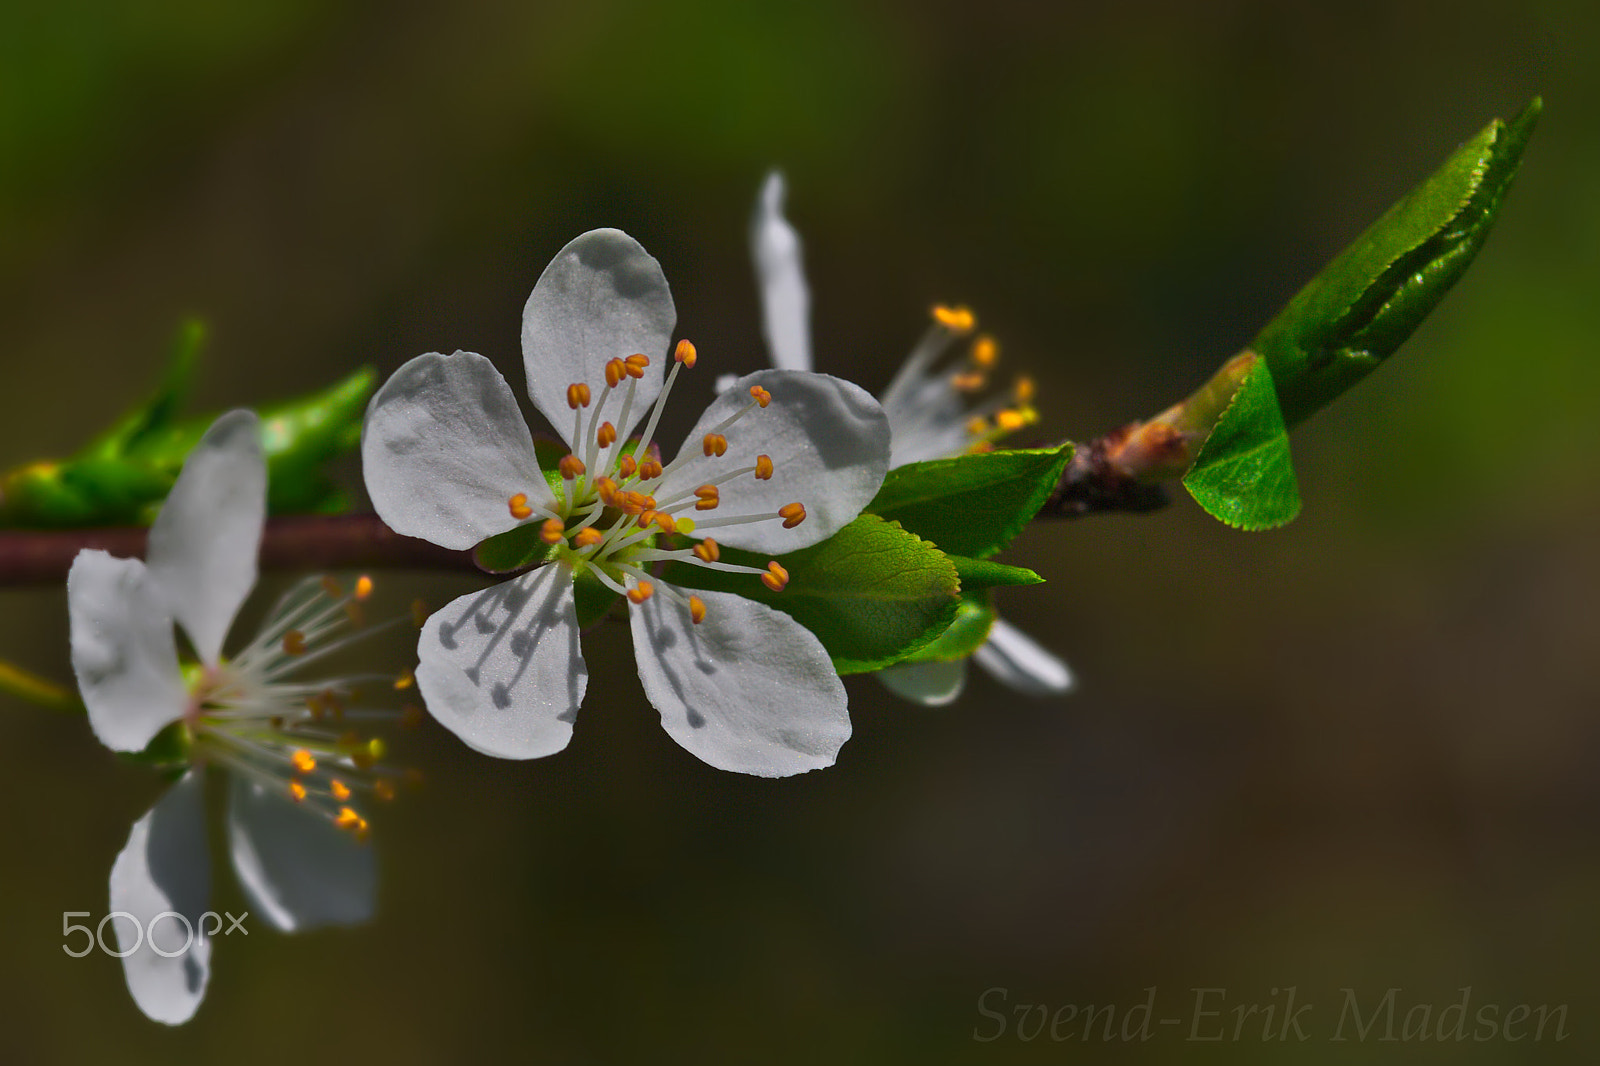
point(303, 739)
point(616, 499)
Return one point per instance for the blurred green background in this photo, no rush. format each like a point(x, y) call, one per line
point(1360, 753)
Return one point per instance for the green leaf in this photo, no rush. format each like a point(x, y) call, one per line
point(515, 549)
point(1243, 474)
point(1365, 303)
point(872, 593)
point(977, 574)
point(971, 505)
point(966, 634)
point(157, 412)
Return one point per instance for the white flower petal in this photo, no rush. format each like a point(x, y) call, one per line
point(749, 689)
point(444, 448)
point(1015, 659)
point(123, 651)
point(299, 869)
point(165, 867)
point(930, 684)
point(602, 297)
point(780, 271)
point(204, 543)
point(829, 443)
point(501, 668)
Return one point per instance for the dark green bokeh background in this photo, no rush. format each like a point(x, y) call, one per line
point(1360, 752)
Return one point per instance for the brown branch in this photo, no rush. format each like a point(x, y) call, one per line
point(302, 542)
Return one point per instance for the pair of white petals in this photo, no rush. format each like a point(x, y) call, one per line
point(444, 446)
point(1010, 656)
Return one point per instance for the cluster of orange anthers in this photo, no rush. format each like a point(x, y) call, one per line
point(1002, 414)
point(613, 502)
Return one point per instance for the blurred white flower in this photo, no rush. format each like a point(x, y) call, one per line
point(932, 414)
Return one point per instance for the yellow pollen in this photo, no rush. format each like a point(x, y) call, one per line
point(607, 436)
point(761, 396)
point(419, 613)
point(587, 537)
point(518, 505)
point(294, 642)
point(776, 576)
point(967, 382)
point(641, 592)
point(715, 444)
point(977, 427)
point(628, 466)
point(985, 351)
point(383, 788)
point(707, 498)
point(405, 681)
point(635, 365)
point(792, 514)
point(348, 819)
point(332, 588)
point(297, 791)
point(341, 791)
point(954, 319)
point(363, 587)
point(616, 370)
point(685, 354)
point(707, 551)
point(650, 469)
point(551, 531)
point(606, 489)
point(570, 466)
point(577, 395)
point(302, 761)
point(697, 610)
point(1024, 390)
point(1010, 420)
point(410, 716)
point(763, 467)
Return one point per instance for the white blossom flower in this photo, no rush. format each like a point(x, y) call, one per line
point(794, 457)
point(931, 415)
point(295, 836)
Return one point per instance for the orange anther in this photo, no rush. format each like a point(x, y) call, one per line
point(650, 469)
point(518, 505)
point(967, 382)
point(715, 444)
point(297, 791)
point(792, 514)
point(616, 370)
point(294, 642)
point(1010, 420)
point(607, 435)
point(302, 761)
point(763, 467)
point(552, 531)
point(348, 819)
point(646, 518)
point(363, 587)
point(577, 395)
point(606, 489)
point(761, 396)
point(641, 592)
point(1024, 390)
point(697, 610)
point(628, 466)
point(667, 523)
point(685, 354)
point(985, 351)
point(570, 466)
point(587, 537)
point(954, 319)
point(405, 680)
point(707, 498)
point(635, 365)
point(776, 576)
point(707, 551)
point(341, 791)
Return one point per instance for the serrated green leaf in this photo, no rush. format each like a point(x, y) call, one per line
point(1243, 474)
point(974, 618)
point(978, 574)
point(1365, 303)
point(872, 593)
point(971, 505)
